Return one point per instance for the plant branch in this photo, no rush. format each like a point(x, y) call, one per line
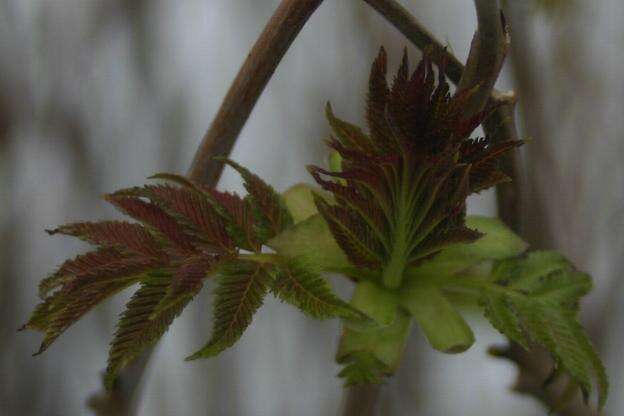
point(419, 35)
point(264, 57)
point(266, 54)
point(361, 400)
point(122, 400)
point(487, 53)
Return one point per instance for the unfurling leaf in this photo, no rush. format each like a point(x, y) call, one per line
point(241, 291)
point(362, 367)
point(63, 308)
point(88, 263)
point(401, 190)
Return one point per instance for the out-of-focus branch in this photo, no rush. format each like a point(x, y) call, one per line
point(266, 54)
point(488, 50)
point(501, 124)
point(361, 400)
point(123, 400)
point(487, 53)
point(419, 35)
point(534, 366)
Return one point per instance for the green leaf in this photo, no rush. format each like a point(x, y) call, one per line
point(139, 326)
point(311, 240)
point(335, 161)
point(498, 243)
point(443, 326)
point(299, 200)
point(241, 291)
point(499, 312)
point(535, 298)
point(362, 367)
point(373, 352)
point(308, 291)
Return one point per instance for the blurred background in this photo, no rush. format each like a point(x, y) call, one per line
point(96, 95)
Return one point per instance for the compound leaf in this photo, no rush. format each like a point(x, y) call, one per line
point(307, 290)
point(269, 209)
point(534, 299)
point(242, 286)
point(140, 326)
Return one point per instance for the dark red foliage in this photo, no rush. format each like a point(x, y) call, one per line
point(401, 192)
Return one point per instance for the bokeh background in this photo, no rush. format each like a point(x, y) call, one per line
point(99, 94)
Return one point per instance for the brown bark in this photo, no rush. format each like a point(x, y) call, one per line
point(266, 54)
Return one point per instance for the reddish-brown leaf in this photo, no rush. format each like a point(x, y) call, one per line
point(271, 214)
point(120, 234)
point(193, 210)
point(402, 190)
point(154, 217)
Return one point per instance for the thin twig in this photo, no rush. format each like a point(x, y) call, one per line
point(266, 54)
point(487, 53)
point(488, 50)
point(418, 34)
point(534, 366)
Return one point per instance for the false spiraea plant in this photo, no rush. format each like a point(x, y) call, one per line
point(185, 233)
point(390, 216)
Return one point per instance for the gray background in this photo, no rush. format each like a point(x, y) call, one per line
point(97, 95)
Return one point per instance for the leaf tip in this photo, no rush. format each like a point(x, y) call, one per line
point(41, 349)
